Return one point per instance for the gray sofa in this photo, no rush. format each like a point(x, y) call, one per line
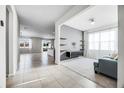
point(106, 66)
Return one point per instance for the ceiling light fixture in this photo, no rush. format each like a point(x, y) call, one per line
point(92, 21)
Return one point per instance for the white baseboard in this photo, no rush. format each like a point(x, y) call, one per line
point(10, 75)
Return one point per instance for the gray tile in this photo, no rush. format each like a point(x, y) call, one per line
point(53, 76)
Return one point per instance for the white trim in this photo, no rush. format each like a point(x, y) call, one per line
point(10, 75)
point(111, 26)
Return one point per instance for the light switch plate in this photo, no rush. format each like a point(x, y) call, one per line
point(1, 23)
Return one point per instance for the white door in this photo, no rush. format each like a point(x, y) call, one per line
point(2, 46)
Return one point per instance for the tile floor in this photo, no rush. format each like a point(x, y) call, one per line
point(49, 77)
point(36, 72)
point(84, 66)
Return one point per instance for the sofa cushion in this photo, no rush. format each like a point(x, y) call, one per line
point(116, 58)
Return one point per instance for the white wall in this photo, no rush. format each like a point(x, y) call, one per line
point(72, 35)
point(14, 46)
point(121, 46)
point(13, 41)
point(3, 47)
point(36, 45)
point(10, 42)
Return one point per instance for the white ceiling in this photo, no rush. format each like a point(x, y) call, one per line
point(41, 17)
point(103, 15)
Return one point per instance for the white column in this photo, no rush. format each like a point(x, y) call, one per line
point(57, 43)
point(121, 46)
point(13, 40)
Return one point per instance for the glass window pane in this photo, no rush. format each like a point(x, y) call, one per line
point(112, 47)
point(103, 40)
point(96, 37)
point(21, 45)
point(104, 45)
point(112, 35)
point(96, 45)
point(90, 45)
point(104, 36)
point(91, 37)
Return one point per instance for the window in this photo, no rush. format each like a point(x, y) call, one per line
point(25, 43)
point(94, 41)
point(103, 40)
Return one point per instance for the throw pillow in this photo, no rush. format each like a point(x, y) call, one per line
point(113, 55)
point(116, 58)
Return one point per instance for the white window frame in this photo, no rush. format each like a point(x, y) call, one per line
point(100, 42)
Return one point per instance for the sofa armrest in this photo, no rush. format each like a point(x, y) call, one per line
point(96, 67)
point(108, 66)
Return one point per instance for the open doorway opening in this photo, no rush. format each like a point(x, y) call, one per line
point(96, 33)
point(35, 53)
point(47, 47)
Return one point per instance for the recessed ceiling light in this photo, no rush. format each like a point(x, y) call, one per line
point(92, 21)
